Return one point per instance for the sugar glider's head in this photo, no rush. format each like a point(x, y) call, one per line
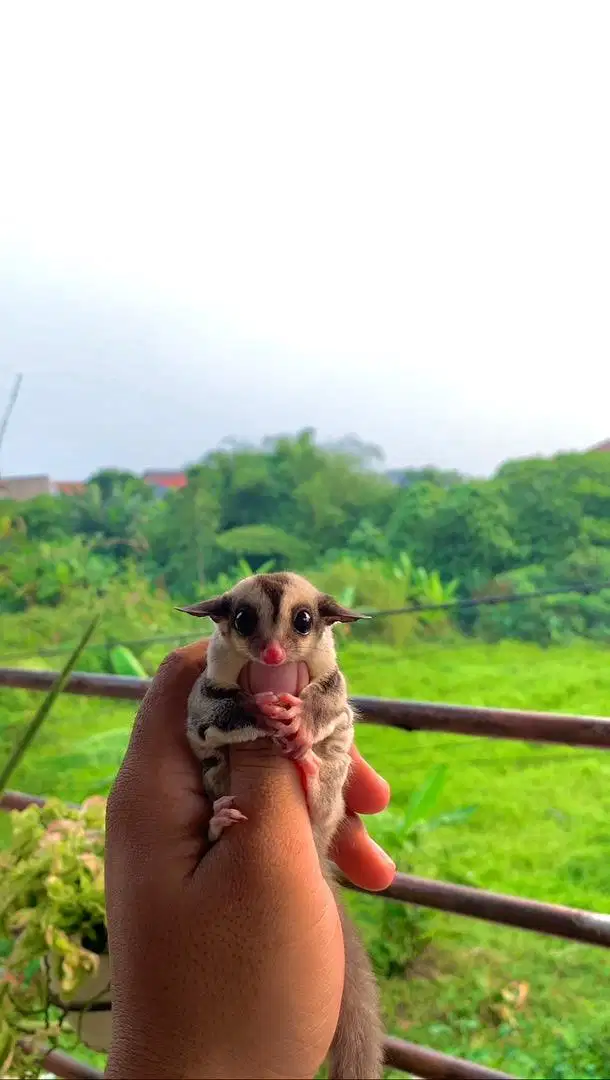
point(274, 621)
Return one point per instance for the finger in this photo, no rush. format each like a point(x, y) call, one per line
point(267, 789)
point(360, 858)
point(158, 792)
point(160, 725)
point(259, 764)
point(291, 701)
point(366, 792)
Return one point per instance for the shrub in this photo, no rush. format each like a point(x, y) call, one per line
point(51, 921)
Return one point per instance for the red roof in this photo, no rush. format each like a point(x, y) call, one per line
point(70, 487)
point(605, 445)
point(165, 478)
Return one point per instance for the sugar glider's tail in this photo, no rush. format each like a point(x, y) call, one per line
point(356, 1052)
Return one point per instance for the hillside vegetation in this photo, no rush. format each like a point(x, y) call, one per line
point(332, 513)
point(514, 817)
point(539, 829)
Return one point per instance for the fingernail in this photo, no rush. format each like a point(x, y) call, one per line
point(384, 855)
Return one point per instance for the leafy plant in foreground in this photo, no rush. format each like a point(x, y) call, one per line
point(403, 930)
point(51, 922)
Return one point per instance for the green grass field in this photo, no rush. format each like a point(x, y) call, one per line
point(540, 830)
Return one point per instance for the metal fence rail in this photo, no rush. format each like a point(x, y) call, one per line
point(516, 911)
point(68, 1068)
point(591, 731)
point(397, 1054)
point(570, 923)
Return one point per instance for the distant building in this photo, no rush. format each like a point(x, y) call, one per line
point(605, 446)
point(69, 487)
point(24, 487)
point(164, 480)
point(28, 487)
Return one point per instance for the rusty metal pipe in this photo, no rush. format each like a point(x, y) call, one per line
point(432, 1065)
point(590, 731)
point(572, 923)
point(554, 919)
point(68, 1068)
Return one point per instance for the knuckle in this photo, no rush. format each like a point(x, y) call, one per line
point(180, 663)
point(171, 665)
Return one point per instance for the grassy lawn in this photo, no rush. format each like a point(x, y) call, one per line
point(540, 830)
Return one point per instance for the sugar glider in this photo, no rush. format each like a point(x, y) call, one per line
point(272, 672)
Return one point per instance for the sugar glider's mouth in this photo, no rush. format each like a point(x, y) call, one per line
point(289, 678)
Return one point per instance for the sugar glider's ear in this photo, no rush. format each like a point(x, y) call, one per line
point(218, 608)
point(333, 612)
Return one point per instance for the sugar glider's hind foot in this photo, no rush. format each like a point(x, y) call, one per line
point(225, 814)
point(356, 1052)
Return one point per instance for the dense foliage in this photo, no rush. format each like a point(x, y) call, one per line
point(52, 924)
point(334, 514)
point(380, 541)
point(524, 1003)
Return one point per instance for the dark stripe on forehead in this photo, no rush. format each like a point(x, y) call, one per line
point(274, 587)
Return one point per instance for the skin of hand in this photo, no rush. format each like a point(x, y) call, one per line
point(226, 962)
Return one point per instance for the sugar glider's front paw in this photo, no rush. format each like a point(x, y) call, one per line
point(281, 716)
point(225, 814)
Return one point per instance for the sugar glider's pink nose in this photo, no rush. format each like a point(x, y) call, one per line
point(274, 654)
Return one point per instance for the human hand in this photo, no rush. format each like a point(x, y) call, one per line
point(225, 962)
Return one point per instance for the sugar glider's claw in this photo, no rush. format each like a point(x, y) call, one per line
point(280, 727)
point(265, 697)
point(224, 815)
point(286, 708)
point(294, 745)
point(290, 701)
point(280, 712)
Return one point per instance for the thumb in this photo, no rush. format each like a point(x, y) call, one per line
point(258, 769)
point(268, 790)
point(158, 791)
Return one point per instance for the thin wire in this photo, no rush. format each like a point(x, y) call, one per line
point(472, 602)
point(583, 588)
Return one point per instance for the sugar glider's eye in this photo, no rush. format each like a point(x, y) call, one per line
point(245, 621)
point(302, 621)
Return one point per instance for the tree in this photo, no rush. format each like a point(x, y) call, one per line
point(411, 523)
point(314, 494)
point(260, 544)
point(547, 517)
point(429, 474)
point(46, 517)
point(118, 481)
point(114, 512)
point(471, 535)
point(181, 537)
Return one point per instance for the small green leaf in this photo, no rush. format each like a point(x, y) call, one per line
point(425, 798)
point(453, 817)
point(44, 709)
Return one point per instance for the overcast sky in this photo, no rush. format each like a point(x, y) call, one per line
point(238, 219)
